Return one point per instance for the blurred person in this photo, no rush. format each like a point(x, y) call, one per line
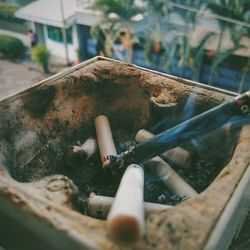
point(32, 38)
point(123, 48)
point(157, 52)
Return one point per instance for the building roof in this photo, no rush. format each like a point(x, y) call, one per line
point(86, 16)
point(49, 12)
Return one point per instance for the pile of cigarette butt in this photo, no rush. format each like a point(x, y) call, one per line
point(125, 213)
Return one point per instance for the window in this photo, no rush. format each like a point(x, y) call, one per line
point(56, 34)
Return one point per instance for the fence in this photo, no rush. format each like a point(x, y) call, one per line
point(225, 78)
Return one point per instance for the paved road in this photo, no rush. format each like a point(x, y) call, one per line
point(22, 37)
point(15, 77)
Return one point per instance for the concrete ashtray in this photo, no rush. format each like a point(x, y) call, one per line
point(50, 166)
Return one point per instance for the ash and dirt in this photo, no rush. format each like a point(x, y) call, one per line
point(202, 174)
point(67, 118)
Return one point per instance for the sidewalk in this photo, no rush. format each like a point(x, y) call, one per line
point(20, 36)
point(15, 77)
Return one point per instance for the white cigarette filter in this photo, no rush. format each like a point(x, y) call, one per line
point(178, 156)
point(99, 206)
point(126, 216)
point(170, 178)
point(105, 139)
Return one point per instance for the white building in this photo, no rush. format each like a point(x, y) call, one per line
point(49, 18)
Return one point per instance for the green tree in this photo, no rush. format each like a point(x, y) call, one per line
point(245, 70)
point(7, 11)
point(158, 7)
point(155, 47)
point(125, 9)
point(11, 47)
point(117, 16)
point(180, 44)
point(235, 10)
point(197, 55)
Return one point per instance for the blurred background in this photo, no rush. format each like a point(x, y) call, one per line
point(206, 41)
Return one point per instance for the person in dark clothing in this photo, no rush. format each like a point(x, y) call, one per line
point(100, 45)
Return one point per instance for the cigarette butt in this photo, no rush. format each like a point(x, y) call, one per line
point(105, 139)
point(89, 147)
point(78, 154)
point(178, 156)
point(126, 216)
point(170, 178)
point(99, 206)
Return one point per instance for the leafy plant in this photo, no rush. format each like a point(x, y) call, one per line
point(108, 28)
point(169, 55)
point(234, 9)
point(125, 9)
point(41, 55)
point(7, 12)
point(197, 55)
point(220, 58)
point(184, 52)
point(159, 7)
point(245, 71)
point(117, 16)
point(11, 47)
point(153, 40)
point(198, 52)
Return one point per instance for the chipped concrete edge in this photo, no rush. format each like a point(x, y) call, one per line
point(51, 234)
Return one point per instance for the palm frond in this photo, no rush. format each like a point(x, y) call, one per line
point(198, 52)
point(184, 52)
point(169, 55)
point(148, 50)
point(158, 6)
point(125, 9)
point(229, 9)
point(222, 56)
